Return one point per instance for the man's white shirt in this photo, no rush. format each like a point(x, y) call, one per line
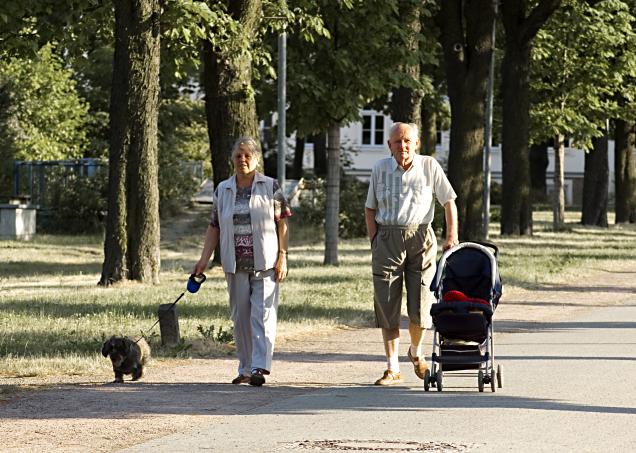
point(405, 197)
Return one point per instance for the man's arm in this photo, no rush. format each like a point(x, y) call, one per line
point(450, 213)
point(372, 226)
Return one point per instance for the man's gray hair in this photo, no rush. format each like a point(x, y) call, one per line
point(412, 126)
point(250, 143)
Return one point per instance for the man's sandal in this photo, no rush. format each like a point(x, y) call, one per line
point(389, 378)
point(419, 365)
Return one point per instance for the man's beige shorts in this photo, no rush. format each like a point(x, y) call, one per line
point(403, 254)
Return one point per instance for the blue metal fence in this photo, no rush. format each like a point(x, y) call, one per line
point(31, 177)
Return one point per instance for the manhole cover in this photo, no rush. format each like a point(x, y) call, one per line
point(378, 446)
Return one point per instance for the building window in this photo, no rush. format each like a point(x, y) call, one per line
point(438, 132)
point(373, 129)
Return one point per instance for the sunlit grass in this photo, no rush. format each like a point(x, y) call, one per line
point(53, 317)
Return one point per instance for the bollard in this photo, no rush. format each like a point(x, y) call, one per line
point(169, 324)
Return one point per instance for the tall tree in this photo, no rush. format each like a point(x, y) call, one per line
point(539, 162)
point(332, 78)
point(568, 101)
point(299, 155)
point(434, 112)
point(131, 246)
point(406, 100)
point(320, 155)
point(625, 171)
point(467, 44)
point(227, 79)
point(625, 134)
point(596, 182)
point(521, 26)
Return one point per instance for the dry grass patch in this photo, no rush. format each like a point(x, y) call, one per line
point(53, 317)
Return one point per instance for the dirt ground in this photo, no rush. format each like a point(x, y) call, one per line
point(69, 413)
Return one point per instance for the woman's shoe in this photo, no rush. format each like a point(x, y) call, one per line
point(241, 379)
point(258, 377)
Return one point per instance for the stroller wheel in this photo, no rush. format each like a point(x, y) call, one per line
point(427, 380)
point(480, 381)
point(438, 379)
point(499, 376)
point(492, 380)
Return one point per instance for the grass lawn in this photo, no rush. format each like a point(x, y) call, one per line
point(51, 309)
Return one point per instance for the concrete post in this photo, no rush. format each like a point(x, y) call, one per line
point(169, 324)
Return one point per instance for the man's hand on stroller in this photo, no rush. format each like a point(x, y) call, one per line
point(450, 214)
point(450, 242)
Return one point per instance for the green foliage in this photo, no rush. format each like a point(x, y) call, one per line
point(74, 203)
point(580, 62)
point(42, 116)
point(222, 335)
point(184, 23)
point(46, 117)
point(182, 140)
point(349, 59)
point(353, 194)
point(94, 73)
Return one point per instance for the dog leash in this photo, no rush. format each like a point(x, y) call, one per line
point(194, 283)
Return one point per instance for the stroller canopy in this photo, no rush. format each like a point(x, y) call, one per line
point(471, 269)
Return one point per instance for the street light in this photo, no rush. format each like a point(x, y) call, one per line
point(488, 128)
point(282, 102)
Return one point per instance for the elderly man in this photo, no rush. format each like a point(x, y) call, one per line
point(398, 212)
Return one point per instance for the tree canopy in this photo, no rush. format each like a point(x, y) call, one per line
point(578, 69)
point(43, 116)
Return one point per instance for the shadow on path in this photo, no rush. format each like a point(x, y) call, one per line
point(130, 401)
point(524, 326)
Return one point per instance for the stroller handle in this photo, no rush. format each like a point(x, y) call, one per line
point(490, 245)
point(475, 244)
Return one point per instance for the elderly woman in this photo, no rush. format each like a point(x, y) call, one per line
point(249, 221)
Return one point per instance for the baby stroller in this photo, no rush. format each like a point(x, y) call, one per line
point(467, 287)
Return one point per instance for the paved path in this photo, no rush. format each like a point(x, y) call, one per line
point(568, 386)
point(569, 358)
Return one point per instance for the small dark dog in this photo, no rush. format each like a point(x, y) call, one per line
point(128, 357)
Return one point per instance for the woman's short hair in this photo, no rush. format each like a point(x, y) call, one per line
point(250, 144)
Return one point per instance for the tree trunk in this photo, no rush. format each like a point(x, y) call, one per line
point(115, 267)
point(516, 204)
point(538, 167)
point(269, 147)
point(558, 205)
point(229, 97)
point(332, 202)
point(467, 45)
point(320, 155)
point(299, 154)
point(131, 246)
point(521, 27)
point(428, 133)
point(596, 183)
point(625, 171)
point(406, 102)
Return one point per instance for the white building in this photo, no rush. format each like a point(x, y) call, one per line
point(367, 140)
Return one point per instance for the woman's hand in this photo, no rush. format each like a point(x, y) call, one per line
point(281, 266)
point(200, 267)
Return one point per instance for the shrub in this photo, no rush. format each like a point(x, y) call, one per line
point(353, 194)
point(74, 203)
point(183, 140)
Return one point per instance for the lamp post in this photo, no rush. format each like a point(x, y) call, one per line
point(282, 102)
point(488, 129)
